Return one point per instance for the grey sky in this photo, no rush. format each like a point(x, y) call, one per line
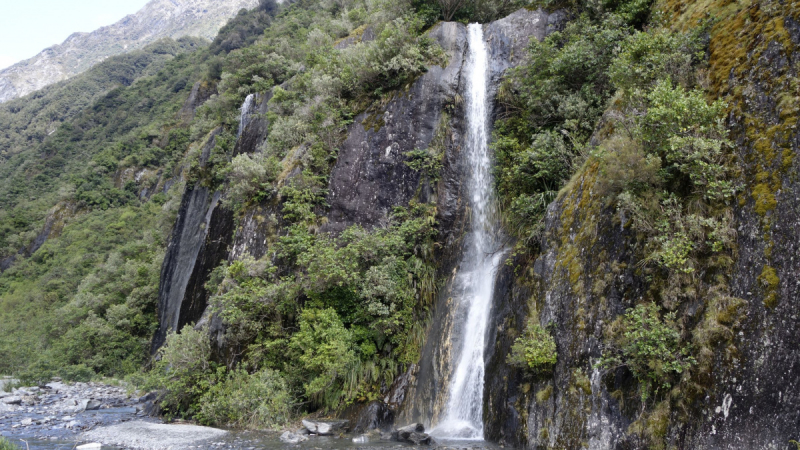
point(29, 26)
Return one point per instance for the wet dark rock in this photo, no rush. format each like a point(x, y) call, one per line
point(187, 240)
point(375, 416)
point(199, 242)
point(205, 152)
point(201, 92)
point(254, 129)
point(370, 176)
point(149, 405)
point(397, 393)
point(412, 434)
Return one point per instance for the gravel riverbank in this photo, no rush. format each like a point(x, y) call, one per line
point(62, 415)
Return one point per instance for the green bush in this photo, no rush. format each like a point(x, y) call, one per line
point(534, 351)
point(552, 105)
point(259, 400)
point(650, 347)
point(324, 349)
point(689, 133)
point(646, 58)
point(184, 372)
point(5, 444)
point(251, 178)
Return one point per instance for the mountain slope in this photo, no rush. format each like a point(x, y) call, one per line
point(158, 19)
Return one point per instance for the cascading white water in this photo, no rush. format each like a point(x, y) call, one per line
point(244, 115)
point(474, 285)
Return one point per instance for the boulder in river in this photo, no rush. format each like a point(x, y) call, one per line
point(412, 434)
point(324, 428)
point(11, 400)
point(292, 438)
point(92, 446)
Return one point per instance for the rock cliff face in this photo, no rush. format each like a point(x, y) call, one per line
point(203, 236)
point(370, 176)
point(507, 39)
point(158, 19)
point(585, 276)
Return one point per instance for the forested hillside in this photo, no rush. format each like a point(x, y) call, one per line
point(270, 225)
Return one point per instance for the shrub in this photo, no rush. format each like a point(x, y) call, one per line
point(690, 135)
point(251, 178)
point(184, 372)
point(534, 351)
point(5, 444)
point(398, 54)
point(649, 346)
point(256, 401)
point(551, 107)
point(425, 162)
point(625, 166)
point(646, 58)
point(324, 349)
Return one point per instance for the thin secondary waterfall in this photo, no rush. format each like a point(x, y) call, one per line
point(244, 115)
point(463, 416)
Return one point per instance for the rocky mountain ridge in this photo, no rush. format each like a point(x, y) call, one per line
point(80, 51)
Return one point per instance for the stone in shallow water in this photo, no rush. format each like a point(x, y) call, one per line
point(324, 428)
point(412, 434)
point(92, 446)
point(292, 438)
point(12, 400)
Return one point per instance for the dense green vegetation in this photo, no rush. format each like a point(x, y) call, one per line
point(92, 158)
point(84, 302)
point(650, 348)
point(27, 122)
point(620, 106)
point(323, 320)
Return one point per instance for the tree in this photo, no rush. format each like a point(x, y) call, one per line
point(450, 7)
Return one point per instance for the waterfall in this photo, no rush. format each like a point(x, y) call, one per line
point(462, 417)
point(244, 115)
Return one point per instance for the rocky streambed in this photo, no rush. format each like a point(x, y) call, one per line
point(63, 416)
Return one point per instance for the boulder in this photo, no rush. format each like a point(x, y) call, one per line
point(292, 438)
point(93, 405)
point(86, 405)
point(149, 405)
point(420, 439)
point(408, 429)
point(11, 400)
point(412, 434)
point(324, 428)
point(92, 446)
